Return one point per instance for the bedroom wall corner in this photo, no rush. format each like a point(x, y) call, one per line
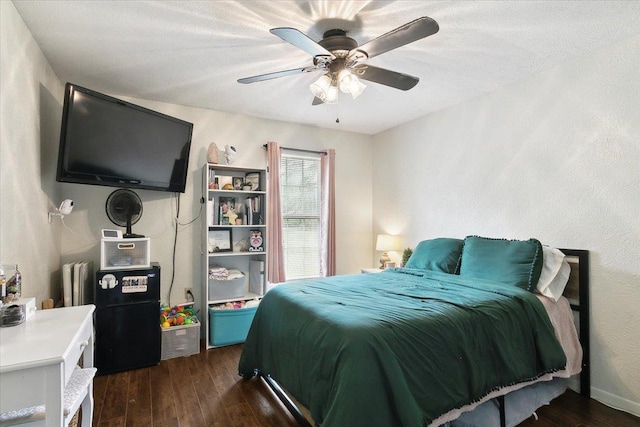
point(31, 104)
point(553, 157)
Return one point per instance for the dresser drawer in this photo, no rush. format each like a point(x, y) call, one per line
point(77, 347)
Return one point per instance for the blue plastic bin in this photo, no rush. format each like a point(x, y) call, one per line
point(228, 327)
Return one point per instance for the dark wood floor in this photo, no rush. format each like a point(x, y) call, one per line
point(205, 390)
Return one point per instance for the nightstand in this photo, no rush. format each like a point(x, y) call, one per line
point(371, 270)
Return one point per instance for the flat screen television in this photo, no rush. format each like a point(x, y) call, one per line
point(107, 141)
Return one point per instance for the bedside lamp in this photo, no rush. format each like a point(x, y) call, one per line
point(385, 243)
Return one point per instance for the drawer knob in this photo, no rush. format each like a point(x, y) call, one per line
point(83, 344)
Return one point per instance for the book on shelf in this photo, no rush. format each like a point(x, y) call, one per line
point(256, 277)
point(254, 210)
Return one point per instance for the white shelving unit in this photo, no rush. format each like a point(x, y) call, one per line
point(236, 251)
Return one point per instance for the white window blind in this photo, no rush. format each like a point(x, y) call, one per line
point(300, 193)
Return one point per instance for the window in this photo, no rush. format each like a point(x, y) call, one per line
point(301, 209)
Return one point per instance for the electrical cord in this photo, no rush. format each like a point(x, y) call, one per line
point(202, 199)
point(175, 239)
point(194, 219)
point(175, 244)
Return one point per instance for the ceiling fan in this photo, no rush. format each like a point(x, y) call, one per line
point(341, 59)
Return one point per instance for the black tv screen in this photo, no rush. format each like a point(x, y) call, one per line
point(107, 141)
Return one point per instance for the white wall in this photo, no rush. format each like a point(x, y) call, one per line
point(248, 135)
point(554, 157)
point(31, 112)
point(31, 105)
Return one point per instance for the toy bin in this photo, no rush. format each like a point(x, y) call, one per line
point(231, 326)
point(178, 341)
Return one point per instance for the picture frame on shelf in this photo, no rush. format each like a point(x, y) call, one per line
point(219, 240)
point(227, 210)
point(238, 182)
point(254, 179)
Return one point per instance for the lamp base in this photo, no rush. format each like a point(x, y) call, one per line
point(383, 259)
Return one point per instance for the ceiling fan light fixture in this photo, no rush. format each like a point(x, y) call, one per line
point(357, 88)
point(349, 83)
point(320, 88)
point(332, 95)
point(345, 78)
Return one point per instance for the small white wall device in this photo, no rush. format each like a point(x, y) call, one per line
point(65, 209)
point(111, 234)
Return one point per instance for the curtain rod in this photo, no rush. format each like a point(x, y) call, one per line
point(324, 153)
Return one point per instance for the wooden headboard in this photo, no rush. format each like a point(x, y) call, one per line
point(577, 292)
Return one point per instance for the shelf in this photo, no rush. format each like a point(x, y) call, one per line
point(245, 261)
point(236, 226)
point(233, 168)
point(236, 192)
point(225, 254)
point(247, 297)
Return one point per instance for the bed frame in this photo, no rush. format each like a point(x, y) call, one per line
point(576, 291)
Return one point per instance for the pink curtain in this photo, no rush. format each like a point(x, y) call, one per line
point(275, 259)
point(328, 215)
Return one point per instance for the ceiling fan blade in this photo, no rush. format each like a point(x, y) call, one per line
point(301, 41)
point(277, 74)
point(317, 101)
point(408, 33)
point(386, 77)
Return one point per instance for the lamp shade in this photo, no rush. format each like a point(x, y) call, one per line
point(321, 86)
point(386, 242)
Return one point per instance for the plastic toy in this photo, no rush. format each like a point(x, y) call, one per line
point(177, 316)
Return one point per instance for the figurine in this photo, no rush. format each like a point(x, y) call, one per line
point(230, 153)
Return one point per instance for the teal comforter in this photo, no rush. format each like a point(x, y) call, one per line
point(399, 348)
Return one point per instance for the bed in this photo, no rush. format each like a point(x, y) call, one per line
point(457, 337)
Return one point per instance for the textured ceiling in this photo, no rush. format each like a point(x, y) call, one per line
point(192, 52)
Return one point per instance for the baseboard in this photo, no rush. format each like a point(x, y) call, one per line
point(616, 402)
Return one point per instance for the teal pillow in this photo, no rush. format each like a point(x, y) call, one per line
point(437, 255)
point(516, 262)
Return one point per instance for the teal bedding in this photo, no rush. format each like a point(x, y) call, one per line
point(398, 348)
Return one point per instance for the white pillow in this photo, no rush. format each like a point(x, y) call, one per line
point(555, 273)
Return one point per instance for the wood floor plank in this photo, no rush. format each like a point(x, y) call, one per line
point(115, 397)
point(162, 394)
point(211, 403)
point(99, 389)
point(266, 407)
point(114, 422)
point(188, 408)
point(205, 390)
point(139, 399)
point(224, 380)
point(573, 410)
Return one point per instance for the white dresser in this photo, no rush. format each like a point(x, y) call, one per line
point(38, 357)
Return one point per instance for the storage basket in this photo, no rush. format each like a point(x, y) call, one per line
point(227, 289)
point(178, 341)
point(125, 254)
point(231, 326)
